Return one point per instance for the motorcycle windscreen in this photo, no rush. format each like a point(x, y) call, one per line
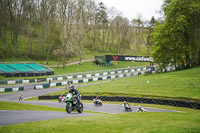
point(69, 96)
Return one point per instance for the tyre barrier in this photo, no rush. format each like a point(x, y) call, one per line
point(176, 103)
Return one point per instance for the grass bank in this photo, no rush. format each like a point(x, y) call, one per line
point(149, 122)
point(89, 66)
point(170, 85)
point(22, 106)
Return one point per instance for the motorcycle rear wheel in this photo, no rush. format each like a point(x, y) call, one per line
point(128, 109)
point(100, 104)
point(80, 108)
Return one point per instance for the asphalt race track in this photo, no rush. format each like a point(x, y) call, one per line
point(8, 117)
point(106, 108)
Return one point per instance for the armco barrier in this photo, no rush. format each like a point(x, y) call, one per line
point(176, 103)
point(90, 79)
point(11, 89)
point(95, 73)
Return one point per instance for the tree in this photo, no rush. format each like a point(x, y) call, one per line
point(80, 27)
point(122, 28)
point(30, 18)
point(3, 26)
point(175, 40)
point(66, 15)
point(45, 14)
point(67, 26)
point(102, 19)
point(110, 27)
point(16, 13)
point(53, 37)
point(138, 25)
point(151, 24)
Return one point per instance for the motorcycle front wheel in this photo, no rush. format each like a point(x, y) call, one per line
point(68, 108)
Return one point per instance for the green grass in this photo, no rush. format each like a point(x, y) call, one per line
point(22, 106)
point(186, 121)
point(7, 92)
point(89, 66)
point(170, 85)
point(148, 122)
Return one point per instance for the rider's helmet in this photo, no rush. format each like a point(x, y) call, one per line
point(97, 98)
point(124, 101)
point(72, 86)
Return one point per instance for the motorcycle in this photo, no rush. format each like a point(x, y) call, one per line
point(127, 107)
point(97, 102)
point(72, 104)
point(21, 97)
point(140, 109)
point(61, 98)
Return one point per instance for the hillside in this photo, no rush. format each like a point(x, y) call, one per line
point(171, 85)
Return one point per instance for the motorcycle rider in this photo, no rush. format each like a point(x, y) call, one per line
point(69, 85)
point(62, 96)
point(74, 91)
point(125, 104)
point(97, 98)
point(21, 97)
point(140, 109)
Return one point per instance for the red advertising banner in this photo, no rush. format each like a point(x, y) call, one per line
point(129, 58)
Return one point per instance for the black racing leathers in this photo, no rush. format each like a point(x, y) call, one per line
point(75, 92)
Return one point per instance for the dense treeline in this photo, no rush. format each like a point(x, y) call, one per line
point(177, 40)
point(62, 29)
